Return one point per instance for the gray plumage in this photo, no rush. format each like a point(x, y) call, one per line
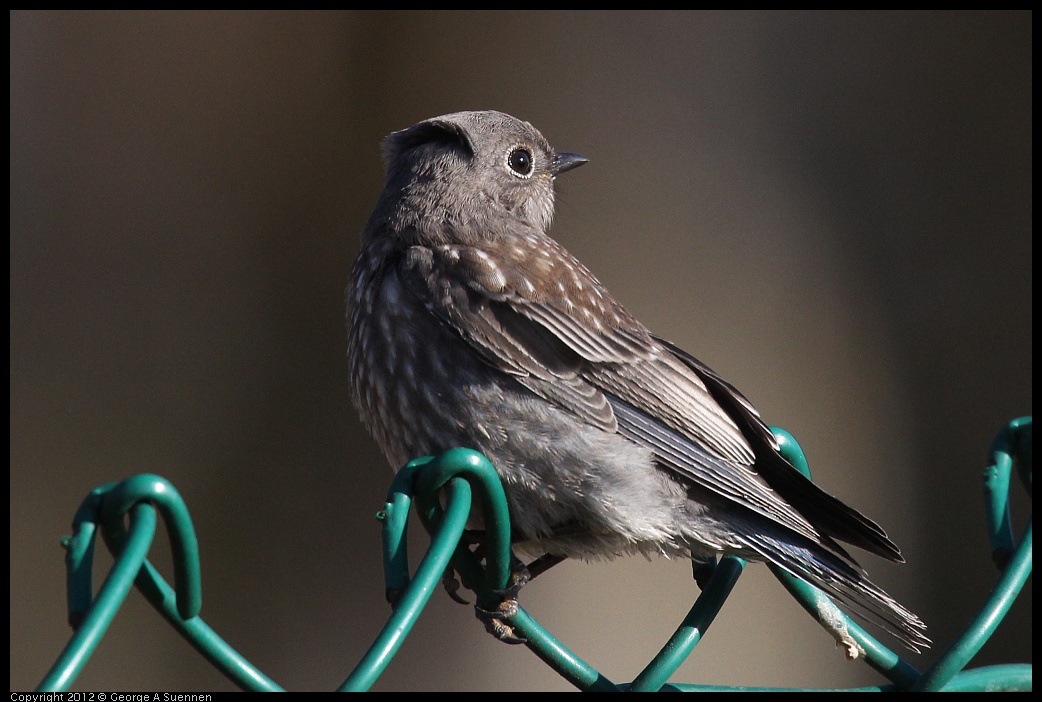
point(471, 327)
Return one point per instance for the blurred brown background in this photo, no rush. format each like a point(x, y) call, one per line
point(832, 210)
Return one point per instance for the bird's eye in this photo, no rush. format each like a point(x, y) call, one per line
point(519, 160)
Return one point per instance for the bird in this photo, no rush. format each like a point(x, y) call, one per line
point(469, 326)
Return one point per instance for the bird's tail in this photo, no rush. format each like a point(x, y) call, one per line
point(842, 579)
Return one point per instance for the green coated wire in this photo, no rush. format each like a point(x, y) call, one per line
point(694, 626)
point(824, 610)
point(79, 556)
point(183, 543)
point(418, 591)
point(992, 678)
point(1012, 446)
point(559, 657)
point(180, 605)
point(423, 478)
point(995, 678)
point(1013, 443)
point(876, 655)
point(997, 474)
point(841, 626)
point(141, 496)
point(462, 477)
point(984, 624)
point(94, 620)
point(676, 650)
point(484, 480)
point(202, 638)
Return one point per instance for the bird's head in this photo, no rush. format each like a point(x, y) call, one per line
point(469, 178)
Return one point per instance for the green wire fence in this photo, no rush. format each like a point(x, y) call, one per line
point(458, 475)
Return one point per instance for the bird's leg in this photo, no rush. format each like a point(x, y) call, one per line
point(542, 564)
point(449, 581)
point(702, 568)
point(495, 619)
point(505, 606)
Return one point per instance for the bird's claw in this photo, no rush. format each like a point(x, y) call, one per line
point(495, 621)
point(702, 570)
point(451, 583)
point(519, 577)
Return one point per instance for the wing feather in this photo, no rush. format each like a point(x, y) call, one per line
point(601, 376)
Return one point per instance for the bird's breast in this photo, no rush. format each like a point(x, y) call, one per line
point(411, 378)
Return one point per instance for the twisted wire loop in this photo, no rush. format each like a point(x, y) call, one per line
point(142, 497)
point(443, 488)
point(1012, 447)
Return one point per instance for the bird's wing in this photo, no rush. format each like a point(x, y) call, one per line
point(832, 516)
point(463, 287)
point(582, 351)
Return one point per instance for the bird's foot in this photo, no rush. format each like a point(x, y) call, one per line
point(451, 583)
point(496, 620)
point(702, 569)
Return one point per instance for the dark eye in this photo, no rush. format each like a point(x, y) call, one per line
point(520, 162)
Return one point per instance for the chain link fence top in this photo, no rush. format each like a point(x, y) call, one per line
point(440, 490)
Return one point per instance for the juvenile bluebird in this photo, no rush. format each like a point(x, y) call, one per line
point(471, 327)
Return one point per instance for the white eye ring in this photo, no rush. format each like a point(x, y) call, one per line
point(520, 161)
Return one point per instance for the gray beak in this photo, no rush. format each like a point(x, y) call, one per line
point(566, 162)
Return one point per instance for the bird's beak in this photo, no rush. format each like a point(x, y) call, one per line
point(566, 162)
